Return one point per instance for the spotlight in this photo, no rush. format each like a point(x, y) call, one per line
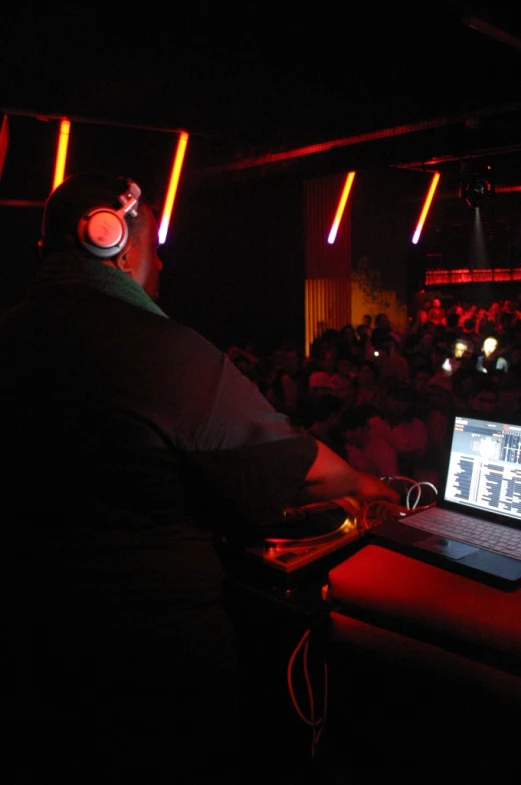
point(475, 190)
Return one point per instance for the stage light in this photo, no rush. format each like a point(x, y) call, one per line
point(341, 207)
point(61, 152)
point(426, 207)
point(4, 142)
point(175, 174)
point(474, 190)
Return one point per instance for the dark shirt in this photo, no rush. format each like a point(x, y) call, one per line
point(130, 441)
point(131, 446)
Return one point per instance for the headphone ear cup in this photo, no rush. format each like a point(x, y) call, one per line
point(103, 232)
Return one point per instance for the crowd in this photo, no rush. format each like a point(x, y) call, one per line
point(383, 399)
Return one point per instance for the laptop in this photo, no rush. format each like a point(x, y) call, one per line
point(479, 502)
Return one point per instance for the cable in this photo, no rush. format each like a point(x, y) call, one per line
point(419, 486)
point(370, 514)
point(374, 512)
point(317, 724)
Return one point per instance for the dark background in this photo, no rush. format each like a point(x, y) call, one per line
point(259, 80)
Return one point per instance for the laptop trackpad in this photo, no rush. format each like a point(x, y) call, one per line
point(448, 548)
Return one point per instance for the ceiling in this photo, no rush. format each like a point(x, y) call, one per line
point(266, 89)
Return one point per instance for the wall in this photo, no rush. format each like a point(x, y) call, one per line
point(234, 267)
point(370, 299)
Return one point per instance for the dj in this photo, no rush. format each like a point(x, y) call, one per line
point(130, 443)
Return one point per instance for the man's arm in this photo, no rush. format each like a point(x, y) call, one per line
point(330, 477)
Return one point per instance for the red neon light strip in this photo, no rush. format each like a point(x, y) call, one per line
point(61, 153)
point(341, 207)
point(426, 207)
point(465, 275)
point(508, 189)
point(4, 142)
point(172, 186)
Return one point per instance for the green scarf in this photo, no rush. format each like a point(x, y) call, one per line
point(68, 270)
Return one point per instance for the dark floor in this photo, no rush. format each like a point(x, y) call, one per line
point(382, 723)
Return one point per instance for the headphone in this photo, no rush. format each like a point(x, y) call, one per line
point(103, 231)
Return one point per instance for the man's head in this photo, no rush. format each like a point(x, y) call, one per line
point(489, 345)
point(100, 216)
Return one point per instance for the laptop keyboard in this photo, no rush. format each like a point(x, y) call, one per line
point(483, 534)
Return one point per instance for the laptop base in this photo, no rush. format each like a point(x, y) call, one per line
point(477, 564)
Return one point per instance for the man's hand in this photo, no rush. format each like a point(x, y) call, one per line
point(371, 488)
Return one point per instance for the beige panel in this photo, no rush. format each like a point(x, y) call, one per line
point(328, 305)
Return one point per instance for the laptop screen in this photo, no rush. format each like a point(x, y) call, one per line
point(484, 467)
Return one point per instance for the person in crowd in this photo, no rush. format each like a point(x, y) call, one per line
point(453, 329)
point(420, 378)
point(287, 387)
point(491, 358)
point(319, 383)
point(382, 331)
point(437, 416)
point(133, 447)
point(462, 383)
point(363, 333)
point(324, 341)
point(418, 350)
point(441, 359)
point(421, 317)
point(469, 311)
point(436, 314)
point(393, 365)
point(327, 378)
point(322, 355)
point(455, 310)
point(368, 441)
point(409, 432)
point(265, 376)
point(324, 417)
point(344, 385)
point(509, 400)
point(484, 396)
point(462, 353)
point(506, 320)
point(514, 358)
point(350, 344)
point(470, 330)
point(486, 326)
point(369, 389)
point(367, 323)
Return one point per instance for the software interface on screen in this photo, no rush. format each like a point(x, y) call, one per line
point(485, 466)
